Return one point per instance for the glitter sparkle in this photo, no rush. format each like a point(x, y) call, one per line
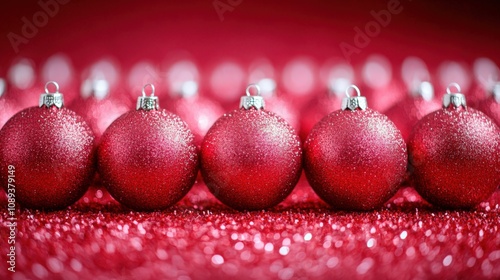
point(199, 238)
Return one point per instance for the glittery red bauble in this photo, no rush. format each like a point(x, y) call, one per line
point(52, 151)
point(406, 113)
point(148, 159)
point(198, 112)
point(355, 160)
point(316, 110)
point(251, 159)
point(455, 156)
point(99, 113)
point(491, 107)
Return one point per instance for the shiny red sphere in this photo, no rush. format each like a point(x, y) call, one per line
point(148, 159)
point(52, 152)
point(251, 159)
point(355, 160)
point(455, 157)
point(406, 113)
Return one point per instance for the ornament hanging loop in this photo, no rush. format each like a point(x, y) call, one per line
point(256, 101)
point(354, 87)
point(49, 99)
point(56, 85)
point(152, 89)
point(145, 102)
point(453, 85)
point(455, 99)
point(255, 86)
point(354, 102)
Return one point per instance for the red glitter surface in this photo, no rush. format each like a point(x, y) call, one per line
point(491, 108)
point(199, 238)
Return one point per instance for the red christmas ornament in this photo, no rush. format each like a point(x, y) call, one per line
point(97, 107)
point(455, 154)
point(147, 158)
point(52, 152)
point(251, 158)
point(198, 112)
point(491, 105)
point(406, 113)
point(355, 158)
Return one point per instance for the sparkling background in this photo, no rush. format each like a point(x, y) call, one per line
point(199, 238)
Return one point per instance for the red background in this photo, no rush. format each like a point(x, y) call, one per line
point(133, 30)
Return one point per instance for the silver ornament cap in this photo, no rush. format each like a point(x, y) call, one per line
point(455, 99)
point(49, 99)
point(145, 102)
point(256, 101)
point(354, 102)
